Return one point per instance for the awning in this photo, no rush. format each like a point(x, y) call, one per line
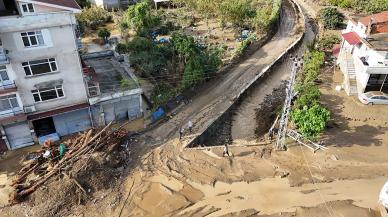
point(352, 38)
point(336, 49)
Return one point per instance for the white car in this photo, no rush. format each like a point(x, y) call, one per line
point(373, 98)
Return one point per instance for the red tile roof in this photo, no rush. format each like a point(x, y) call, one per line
point(352, 38)
point(57, 111)
point(377, 18)
point(63, 3)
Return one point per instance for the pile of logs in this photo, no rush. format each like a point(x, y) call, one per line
point(42, 168)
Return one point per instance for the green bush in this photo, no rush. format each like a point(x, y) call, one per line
point(369, 6)
point(341, 3)
point(307, 113)
point(311, 121)
point(327, 42)
point(243, 45)
point(331, 17)
point(140, 18)
point(94, 16)
point(104, 34)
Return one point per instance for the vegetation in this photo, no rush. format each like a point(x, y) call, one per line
point(256, 14)
point(139, 17)
point(104, 34)
point(244, 44)
point(93, 17)
point(308, 114)
point(369, 6)
point(327, 42)
point(331, 17)
point(174, 66)
point(182, 62)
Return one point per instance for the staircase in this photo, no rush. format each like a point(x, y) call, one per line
point(347, 67)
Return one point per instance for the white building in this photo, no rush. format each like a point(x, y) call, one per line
point(113, 4)
point(42, 91)
point(363, 57)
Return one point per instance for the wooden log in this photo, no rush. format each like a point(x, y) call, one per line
point(22, 177)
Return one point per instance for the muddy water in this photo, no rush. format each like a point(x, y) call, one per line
point(244, 121)
point(274, 195)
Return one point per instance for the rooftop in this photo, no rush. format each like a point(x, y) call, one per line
point(63, 3)
point(106, 75)
point(376, 18)
point(379, 41)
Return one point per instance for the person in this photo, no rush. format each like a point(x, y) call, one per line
point(181, 131)
point(190, 126)
point(226, 151)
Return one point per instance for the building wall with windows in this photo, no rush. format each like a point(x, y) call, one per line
point(42, 92)
point(42, 56)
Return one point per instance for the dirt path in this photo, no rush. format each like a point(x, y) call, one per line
point(219, 95)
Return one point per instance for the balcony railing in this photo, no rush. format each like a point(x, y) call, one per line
point(7, 85)
point(11, 112)
point(3, 56)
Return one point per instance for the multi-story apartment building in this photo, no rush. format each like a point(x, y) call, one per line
point(363, 57)
point(42, 91)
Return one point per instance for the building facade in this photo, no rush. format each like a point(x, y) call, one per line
point(42, 91)
point(363, 56)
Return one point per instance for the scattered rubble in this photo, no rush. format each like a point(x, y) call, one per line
point(70, 159)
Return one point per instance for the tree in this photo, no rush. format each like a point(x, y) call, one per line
point(104, 34)
point(184, 45)
point(331, 17)
point(93, 16)
point(139, 17)
point(311, 121)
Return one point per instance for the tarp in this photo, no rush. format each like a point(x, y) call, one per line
point(383, 198)
point(158, 114)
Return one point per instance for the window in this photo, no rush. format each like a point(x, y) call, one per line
point(386, 56)
point(32, 39)
point(28, 8)
point(3, 73)
point(8, 102)
point(48, 93)
point(38, 67)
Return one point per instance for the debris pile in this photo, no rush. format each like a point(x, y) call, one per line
point(53, 160)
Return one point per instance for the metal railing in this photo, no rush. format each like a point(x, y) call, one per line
point(7, 86)
point(11, 112)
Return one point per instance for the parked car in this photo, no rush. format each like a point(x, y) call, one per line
point(373, 97)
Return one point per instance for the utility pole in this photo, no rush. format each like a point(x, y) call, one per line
point(290, 93)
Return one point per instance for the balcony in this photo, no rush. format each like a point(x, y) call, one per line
point(3, 56)
point(7, 87)
point(363, 65)
point(12, 115)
